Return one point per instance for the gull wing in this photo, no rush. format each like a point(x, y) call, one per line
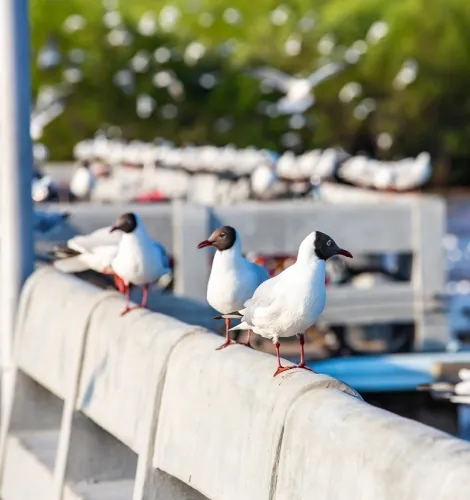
point(325, 72)
point(262, 308)
point(90, 242)
point(282, 81)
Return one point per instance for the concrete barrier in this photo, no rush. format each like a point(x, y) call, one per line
point(143, 407)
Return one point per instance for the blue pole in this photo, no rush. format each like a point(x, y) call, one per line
point(16, 207)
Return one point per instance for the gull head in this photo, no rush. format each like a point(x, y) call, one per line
point(320, 246)
point(222, 239)
point(127, 223)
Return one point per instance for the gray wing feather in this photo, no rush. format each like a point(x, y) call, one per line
point(100, 238)
point(324, 72)
point(277, 78)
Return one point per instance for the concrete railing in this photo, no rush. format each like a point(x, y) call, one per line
point(143, 407)
point(412, 225)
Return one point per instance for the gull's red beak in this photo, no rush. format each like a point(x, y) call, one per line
point(205, 243)
point(345, 253)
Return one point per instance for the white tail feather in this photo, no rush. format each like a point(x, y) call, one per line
point(71, 265)
point(241, 326)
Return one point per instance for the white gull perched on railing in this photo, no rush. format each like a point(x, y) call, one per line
point(96, 251)
point(401, 175)
point(457, 392)
point(264, 174)
point(233, 278)
point(291, 302)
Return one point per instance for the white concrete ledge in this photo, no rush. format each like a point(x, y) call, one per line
point(222, 417)
point(335, 446)
point(143, 407)
point(54, 313)
point(124, 366)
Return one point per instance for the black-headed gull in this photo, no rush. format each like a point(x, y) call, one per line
point(95, 251)
point(292, 301)
point(83, 181)
point(233, 278)
point(298, 90)
point(139, 261)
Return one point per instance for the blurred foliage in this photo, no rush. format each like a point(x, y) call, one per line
point(429, 114)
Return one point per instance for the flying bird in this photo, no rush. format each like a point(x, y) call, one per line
point(299, 96)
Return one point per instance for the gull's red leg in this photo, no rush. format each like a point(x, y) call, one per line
point(145, 296)
point(228, 340)
point(281, 368)
point(127, 291)
point(302, 354)
point(247, 343)
point(120, 285)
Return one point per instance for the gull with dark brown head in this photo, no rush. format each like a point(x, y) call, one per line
point(233, 279)
point(292, 301)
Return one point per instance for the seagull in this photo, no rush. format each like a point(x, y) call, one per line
point(83, 181)
point(298, 90)
point(413, 173)
point(95, 251)
point(43, 187)
point(292, 301)
point(456, 392)
point(262, 180)
point(139, 260)
point(233, 278)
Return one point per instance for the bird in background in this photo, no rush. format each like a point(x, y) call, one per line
point(299, 96)
point(139, 260)
point(456, 392)
point(292, 301)
point(83, 181)
point(233, 279)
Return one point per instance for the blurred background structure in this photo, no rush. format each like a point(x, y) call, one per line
point(349, 114)
point(181, 71)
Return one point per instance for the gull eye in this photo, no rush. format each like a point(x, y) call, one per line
point(328, 243)
point(222, 235)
